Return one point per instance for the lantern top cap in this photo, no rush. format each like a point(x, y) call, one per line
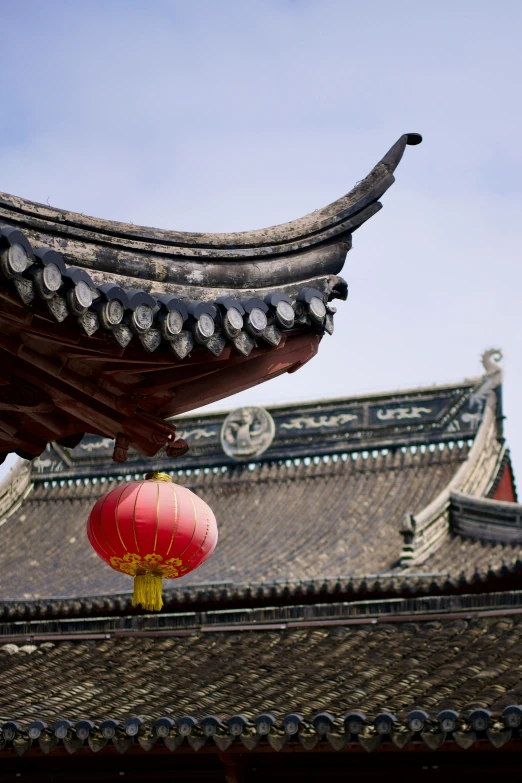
point(157, 477)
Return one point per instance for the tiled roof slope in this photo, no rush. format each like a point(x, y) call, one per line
point(276, 522)
point(359, 514)
point(459, 659)
point(473, 559)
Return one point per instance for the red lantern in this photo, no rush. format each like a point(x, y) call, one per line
point(152, 529)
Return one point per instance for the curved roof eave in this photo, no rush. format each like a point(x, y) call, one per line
point(340, 217)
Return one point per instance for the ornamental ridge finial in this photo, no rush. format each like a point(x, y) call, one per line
point(490, 366)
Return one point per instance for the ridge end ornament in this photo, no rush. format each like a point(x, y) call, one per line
point(247, 432)
point(489, 361)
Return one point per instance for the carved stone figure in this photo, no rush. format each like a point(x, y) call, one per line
point(247, 432)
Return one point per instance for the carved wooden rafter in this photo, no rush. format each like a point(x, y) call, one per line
point(48, 398)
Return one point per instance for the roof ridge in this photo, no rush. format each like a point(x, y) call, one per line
point(279, 470)
point(391, 610)
point(353, 208)
point(487, 519)
point(419, 585)
point(425, 531)
point(376, 395)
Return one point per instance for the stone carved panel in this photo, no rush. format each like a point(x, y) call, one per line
point(247, 432)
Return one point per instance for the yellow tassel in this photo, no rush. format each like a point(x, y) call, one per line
point(147, 592)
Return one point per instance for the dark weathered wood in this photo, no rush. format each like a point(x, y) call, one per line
point(235, 765)
point(77, 395)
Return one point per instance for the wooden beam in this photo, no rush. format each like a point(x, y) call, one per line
point(231, 380)
point(235, 766)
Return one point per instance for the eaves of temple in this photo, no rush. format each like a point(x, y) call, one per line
point(108, 328)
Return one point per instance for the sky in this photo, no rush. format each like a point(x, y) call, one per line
point(222, 116)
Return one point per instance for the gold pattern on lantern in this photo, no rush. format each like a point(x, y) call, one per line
point(136, 565)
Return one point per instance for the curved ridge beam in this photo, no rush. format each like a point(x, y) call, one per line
point(426, 531)
point(324, 225)
point(486, 519)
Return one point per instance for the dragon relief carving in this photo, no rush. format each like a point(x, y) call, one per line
point(102, 443)
point(315, 422)
point(399, 414)
point(195, 434)
point(247, 432)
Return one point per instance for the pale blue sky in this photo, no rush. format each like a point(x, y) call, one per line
point(226, 115)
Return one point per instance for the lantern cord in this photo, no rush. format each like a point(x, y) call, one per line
point(147, 592)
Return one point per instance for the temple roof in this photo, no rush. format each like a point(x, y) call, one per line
point(86, 302)
point(366, 671)
point(369, 495)
point(275, 522)
point(359, 596)
point(195, 261)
